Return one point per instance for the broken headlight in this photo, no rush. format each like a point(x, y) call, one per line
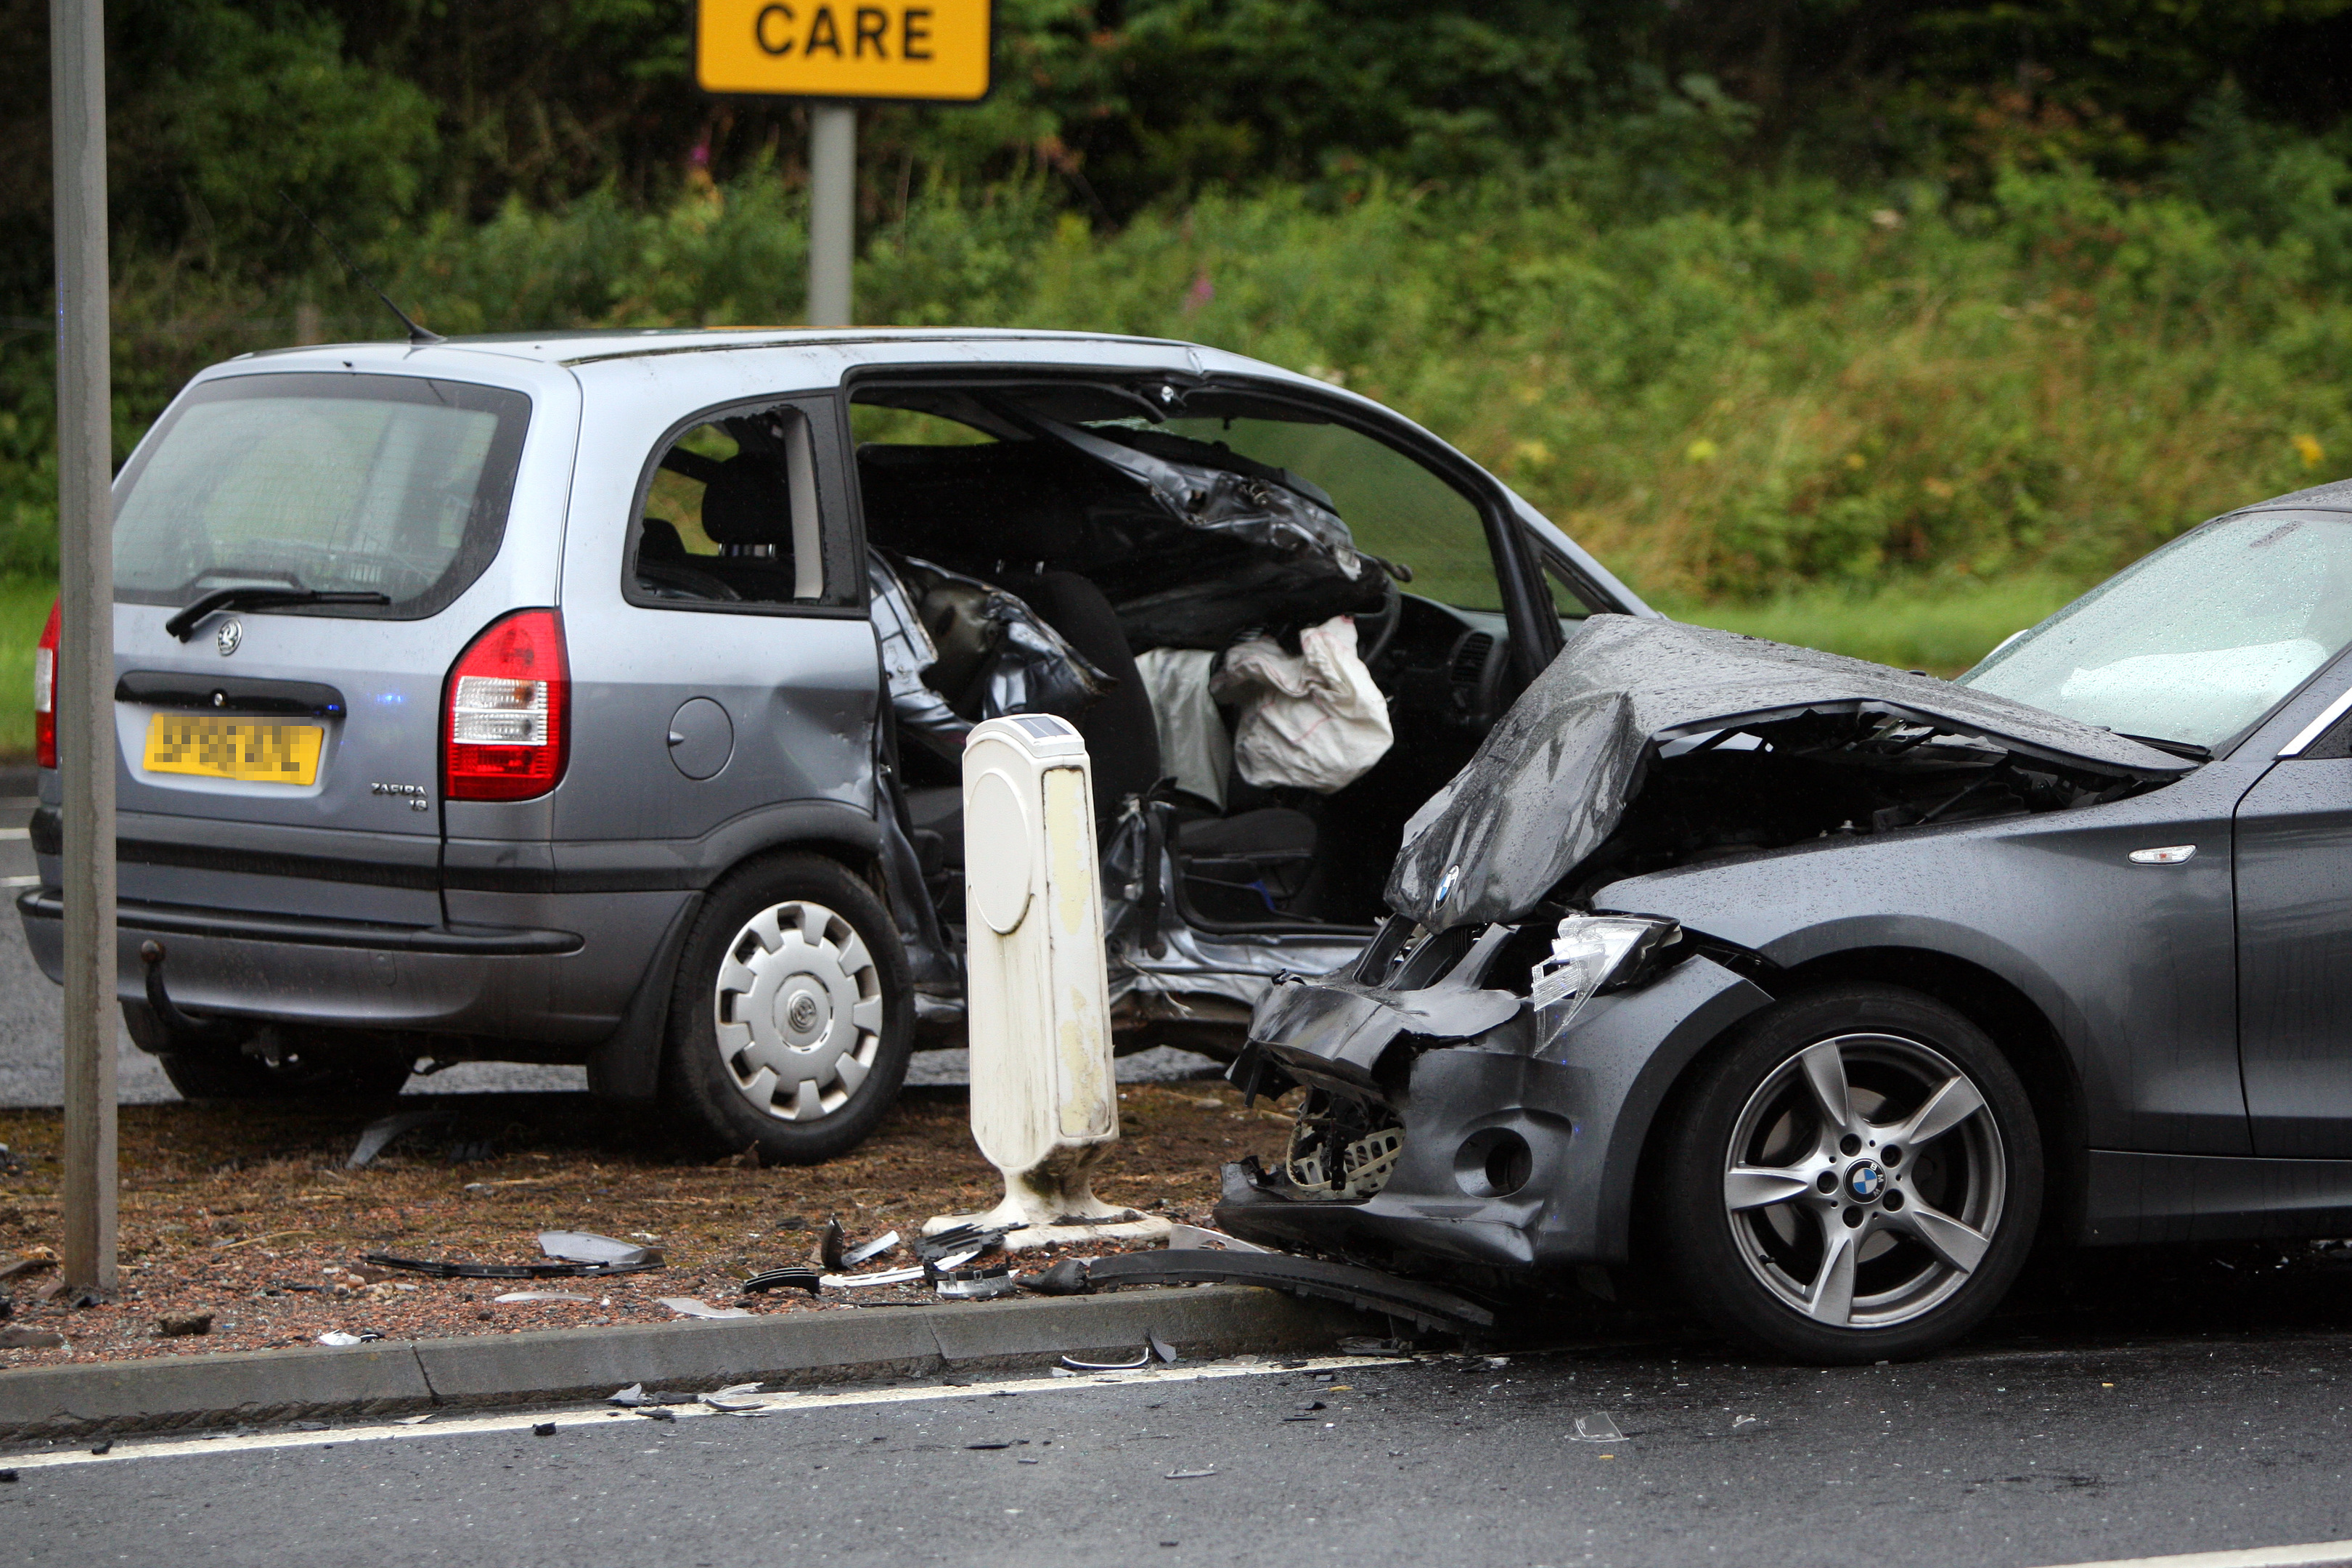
point(1590, 954)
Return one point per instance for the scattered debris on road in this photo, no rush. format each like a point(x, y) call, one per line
point(791, 1279)
point(377, 1136)
point(587, 1247)
point(249, 1213)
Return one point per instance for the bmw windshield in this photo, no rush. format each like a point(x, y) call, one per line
point(2196, 642)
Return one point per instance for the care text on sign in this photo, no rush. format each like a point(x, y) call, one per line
point(931, 49)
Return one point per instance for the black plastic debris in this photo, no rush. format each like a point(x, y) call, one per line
point(376, 1136)
point(961, 1243)
point(794, 1278)
point(832, 1246)
point(1138, 1364)
point(1067, 1277)
point(657, 1413)
point(8, 1476)
point(7, 1305)
point(587, 1247)
point(1373, 1291)
point(103, 1447)
point(438, 1270)
point(996, 1443)
point(542, 1429)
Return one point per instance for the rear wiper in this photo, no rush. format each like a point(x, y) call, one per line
point(183, 624)
point(2189, 749)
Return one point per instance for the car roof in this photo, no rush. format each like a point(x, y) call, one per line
point(575, 346)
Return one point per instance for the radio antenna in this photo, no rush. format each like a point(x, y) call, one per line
point(416, 335)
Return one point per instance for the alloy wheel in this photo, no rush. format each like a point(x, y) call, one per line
point(1864, 1180)
point(798, 1010)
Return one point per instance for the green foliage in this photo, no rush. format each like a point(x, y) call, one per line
point(1940, 627)
point(24, 611)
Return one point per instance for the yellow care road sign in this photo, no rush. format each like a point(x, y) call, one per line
point(932, 50)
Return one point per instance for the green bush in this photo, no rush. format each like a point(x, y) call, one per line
point(1794, 390)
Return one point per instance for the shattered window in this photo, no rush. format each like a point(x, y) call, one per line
point(1396, 508)
point(2196, 641)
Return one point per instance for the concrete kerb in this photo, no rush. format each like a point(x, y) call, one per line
point(390, 1378)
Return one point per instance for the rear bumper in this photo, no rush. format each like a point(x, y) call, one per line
point(47, 905)
point(550, 987)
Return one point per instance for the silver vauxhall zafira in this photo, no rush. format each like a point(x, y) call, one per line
point(597, 698)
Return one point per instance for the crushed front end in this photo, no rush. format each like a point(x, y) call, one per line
point(1464, 1089)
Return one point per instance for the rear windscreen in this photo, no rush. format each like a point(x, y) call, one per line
point(397, 485)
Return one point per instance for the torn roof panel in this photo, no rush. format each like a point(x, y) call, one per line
point(1554, 776)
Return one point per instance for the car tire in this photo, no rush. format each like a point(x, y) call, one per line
point(1875, 1232)
point(792, 1014)
point(307, 1066)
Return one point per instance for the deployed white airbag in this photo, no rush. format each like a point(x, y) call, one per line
point(1309, 721)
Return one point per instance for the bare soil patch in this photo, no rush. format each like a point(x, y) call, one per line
point(245, 1212)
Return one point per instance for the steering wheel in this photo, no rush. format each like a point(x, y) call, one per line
point(1381, 623)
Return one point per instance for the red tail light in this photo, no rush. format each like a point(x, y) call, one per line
point(45, 692)
point(506, 712)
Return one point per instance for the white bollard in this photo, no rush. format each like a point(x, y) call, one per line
point(1044, 1103)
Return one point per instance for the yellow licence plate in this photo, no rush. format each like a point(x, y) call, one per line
point(234, 748)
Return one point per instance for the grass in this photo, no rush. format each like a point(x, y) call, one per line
point(1942, 629)
point(23, 610)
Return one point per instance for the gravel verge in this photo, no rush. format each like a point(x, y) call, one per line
point(244, 1215)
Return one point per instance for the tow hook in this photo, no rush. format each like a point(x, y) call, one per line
point(198, 1031)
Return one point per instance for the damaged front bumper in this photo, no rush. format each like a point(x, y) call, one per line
point(1451, 1122)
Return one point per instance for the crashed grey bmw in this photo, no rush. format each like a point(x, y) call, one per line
point(1820, 991)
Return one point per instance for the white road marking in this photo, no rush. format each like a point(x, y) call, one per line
point(32, 881)
point(15, 833)
point(765, 1405)
point(2318, 1554)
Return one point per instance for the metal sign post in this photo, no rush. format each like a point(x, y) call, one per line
point(836, 56)
point(85, 672)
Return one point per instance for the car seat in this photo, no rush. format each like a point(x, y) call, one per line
point(746, 514)
point(1236, 868)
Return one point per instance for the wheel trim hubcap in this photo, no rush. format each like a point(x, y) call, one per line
point(1864, 1181)
point(797, 1011)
